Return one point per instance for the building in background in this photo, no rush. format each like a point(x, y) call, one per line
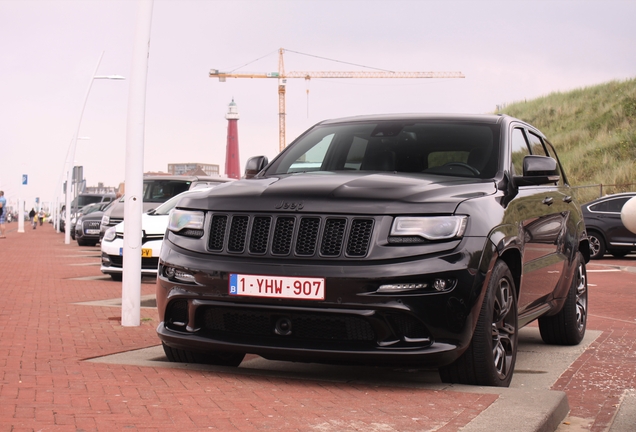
point(232, 163)
point(100, 189)
point(193, 169)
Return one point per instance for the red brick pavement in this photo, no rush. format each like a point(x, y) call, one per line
point(46, 386)
point(596, 381)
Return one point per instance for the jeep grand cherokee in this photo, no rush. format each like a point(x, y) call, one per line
point(398, 239)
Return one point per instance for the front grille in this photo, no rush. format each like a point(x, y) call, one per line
point(260, 235)
point(238, 233)
point(304, 326)
point(333, 237)
point(90, 225)
point(307, 236)
point(303, 236)
point(114, 221)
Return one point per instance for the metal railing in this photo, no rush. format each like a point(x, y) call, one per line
point(588, 193)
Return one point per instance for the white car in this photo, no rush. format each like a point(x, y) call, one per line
point(153, 228)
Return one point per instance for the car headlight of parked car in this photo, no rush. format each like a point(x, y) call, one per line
point(110, 234)
point(419, 229)
point(186, 222)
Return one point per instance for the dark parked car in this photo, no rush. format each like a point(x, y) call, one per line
point(605, 228)
point(400, 239)
point(87, 228)
point(87, 209)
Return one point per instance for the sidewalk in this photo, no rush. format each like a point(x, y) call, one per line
point(47, 382)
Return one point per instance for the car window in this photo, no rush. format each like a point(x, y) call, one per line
point(519, 150)
point(552, 154)
point(443, 148)
point(159, 191)
point(536, 145)
point(614, 205)
point(165, 208)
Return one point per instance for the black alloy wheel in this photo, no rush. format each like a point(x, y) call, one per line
point(490, 358)
point(568, 326)
point(597, 245)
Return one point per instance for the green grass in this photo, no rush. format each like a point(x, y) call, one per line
point(593, 130)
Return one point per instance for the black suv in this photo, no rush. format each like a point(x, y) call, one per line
point(399, 239)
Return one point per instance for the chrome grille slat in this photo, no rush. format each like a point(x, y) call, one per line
point(283, 235)
point(303, 236)
point(260, 234)
point(307, 236)
point(238, 233)
point(333, 237)
point(217, 232)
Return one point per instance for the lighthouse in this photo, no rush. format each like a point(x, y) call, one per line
point(232, 164)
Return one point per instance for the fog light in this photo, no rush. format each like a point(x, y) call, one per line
point(443, 284)
point(169, 272)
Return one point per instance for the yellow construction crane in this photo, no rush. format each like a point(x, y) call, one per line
point(307, 75)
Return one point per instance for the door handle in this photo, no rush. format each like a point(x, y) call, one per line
point(548, 201)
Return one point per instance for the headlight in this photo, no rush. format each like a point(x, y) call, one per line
point(105, 220)
point(185, 219)
point(110, 234)
point(430, 228)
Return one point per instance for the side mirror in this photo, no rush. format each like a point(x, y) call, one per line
point(538, 170)
point(255, 165)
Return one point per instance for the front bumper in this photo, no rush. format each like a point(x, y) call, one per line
point(354, 323)
point(112, 258)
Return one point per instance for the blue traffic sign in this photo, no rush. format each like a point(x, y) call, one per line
point(25, 179)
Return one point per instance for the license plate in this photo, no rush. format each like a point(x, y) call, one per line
point(92, 231)
point(145, 253)
point(277, 287)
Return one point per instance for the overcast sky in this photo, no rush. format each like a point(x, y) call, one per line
point(508, 51)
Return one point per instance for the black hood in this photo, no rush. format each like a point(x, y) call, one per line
point(326, 192)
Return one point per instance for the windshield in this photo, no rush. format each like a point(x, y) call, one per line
point(159, 191)
point(436, 147)
point(165, 208)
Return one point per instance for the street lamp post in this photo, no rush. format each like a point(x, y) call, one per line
point(56, 209)
point(71, 155)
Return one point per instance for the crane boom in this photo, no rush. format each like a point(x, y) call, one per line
point(214, 73)
point(282, 81)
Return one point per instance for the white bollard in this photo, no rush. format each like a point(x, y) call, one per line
point(628, 215)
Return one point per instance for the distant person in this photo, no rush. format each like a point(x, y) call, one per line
point(41, 217)
point(3, 213)
point(32, 214)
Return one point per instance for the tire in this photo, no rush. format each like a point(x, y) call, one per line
point(217, 358)
point(597, 245)
point(492, 353)
point(568, 326)
point(117, 277)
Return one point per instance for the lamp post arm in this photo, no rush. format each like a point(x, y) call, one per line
point(71, 158)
